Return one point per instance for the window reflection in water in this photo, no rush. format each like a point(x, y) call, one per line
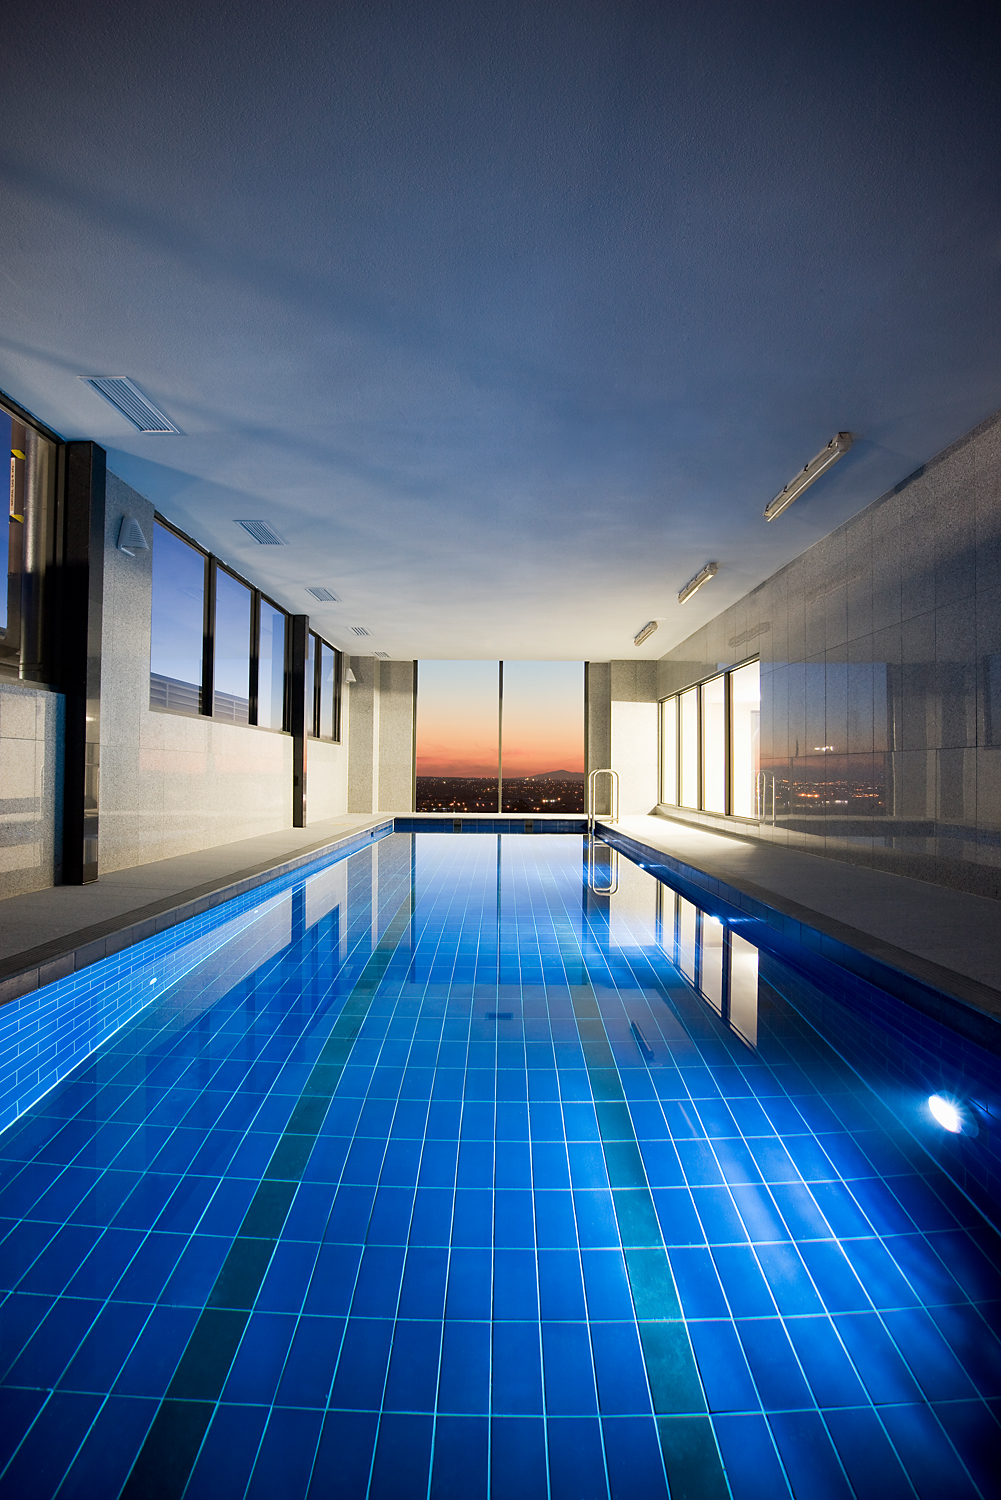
point(717, 962)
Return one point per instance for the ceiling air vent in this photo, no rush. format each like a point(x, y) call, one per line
point(324, 595)
point(261, 532)
point(126, 397)
point(360, 630)
point(382, 655)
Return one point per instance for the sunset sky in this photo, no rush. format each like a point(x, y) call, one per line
point(457, 717)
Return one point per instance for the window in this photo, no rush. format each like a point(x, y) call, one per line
point(689, 742)
point(216, 645)
point(745, 720)
point(326, 689)
point(542, 737)
point(271, 668)
point(231, 679)
point(710, 744)
point(309, 691)
point(27, 547)
point(178, 623)
point(517, 723)
point(714, 745)
point(669, 750)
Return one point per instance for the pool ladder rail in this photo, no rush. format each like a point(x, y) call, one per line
point(592, 786)
point(609, 887)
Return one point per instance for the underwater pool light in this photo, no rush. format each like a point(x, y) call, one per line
point(951, 1115)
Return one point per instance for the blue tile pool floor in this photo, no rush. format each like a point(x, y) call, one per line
point(451, 1183)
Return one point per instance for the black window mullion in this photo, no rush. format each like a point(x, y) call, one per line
point(255, 653)
point(208, 639)
point(338, 675)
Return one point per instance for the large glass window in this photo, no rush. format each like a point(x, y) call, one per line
point(241, 635)
point(518, 721)
point(745, 722)
point(328, 691)
point(27, 548)
point(714, 745)
point(457, 736)
point(312, 651)
point(271, 668)
point(710, 744)
point(177, 623)
point(542, 740)
point(6, 443)
point(231, 680)
point(669, 750)
point(689, 744)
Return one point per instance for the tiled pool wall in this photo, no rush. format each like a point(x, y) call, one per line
point(905, 1057)
point(46, 1033)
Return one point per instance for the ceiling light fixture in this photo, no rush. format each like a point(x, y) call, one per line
point(645, 633)
point(382, 655)
point(360, 630)
point(818, 465)
point(709, 571)
point(130, 537)
point(262, 532)
point(324, 596)
point(127, 399)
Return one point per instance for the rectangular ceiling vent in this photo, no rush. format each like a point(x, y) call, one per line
point(324, 595)
point(126, 397)
point(261, 532)
point(360, 630)
point(382, 655)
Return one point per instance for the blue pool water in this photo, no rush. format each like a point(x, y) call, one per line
point(452, 1174)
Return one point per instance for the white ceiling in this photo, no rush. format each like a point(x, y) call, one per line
point(507, 317)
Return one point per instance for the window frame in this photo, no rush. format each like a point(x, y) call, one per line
point(698, 687)
point(213, 565)
point(322, 645)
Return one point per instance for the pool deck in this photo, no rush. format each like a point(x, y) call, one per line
point(946, 939)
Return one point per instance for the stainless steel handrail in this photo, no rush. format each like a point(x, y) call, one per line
point(592, 782)
point(613, 871)
point(761, 784)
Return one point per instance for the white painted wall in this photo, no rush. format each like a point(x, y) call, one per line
point(634, 755)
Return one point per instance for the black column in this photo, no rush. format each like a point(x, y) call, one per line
point(82, 601)
point(298, 650)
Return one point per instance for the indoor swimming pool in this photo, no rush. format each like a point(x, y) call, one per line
point(476, 1165)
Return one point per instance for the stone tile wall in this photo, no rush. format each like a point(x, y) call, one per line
point(884, 641)
point(31, 748)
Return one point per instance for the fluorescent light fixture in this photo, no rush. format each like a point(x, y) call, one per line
point(709, 571)
point(645, 633)
point(818, 465)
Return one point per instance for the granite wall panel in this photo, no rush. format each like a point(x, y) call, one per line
point(880, 651)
